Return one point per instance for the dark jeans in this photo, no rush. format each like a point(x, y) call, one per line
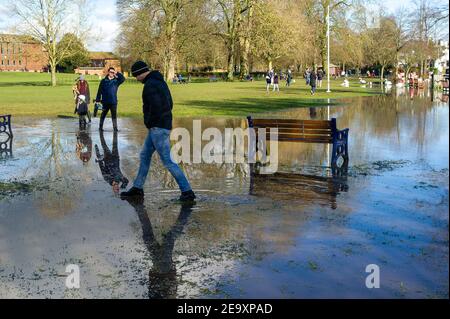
point(106, 109)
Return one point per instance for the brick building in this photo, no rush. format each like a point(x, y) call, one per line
point(99, 64)
point(21, 53)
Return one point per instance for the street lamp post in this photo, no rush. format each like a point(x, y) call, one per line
point(328, 49)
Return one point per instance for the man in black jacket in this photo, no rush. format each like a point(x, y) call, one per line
point(157, 107)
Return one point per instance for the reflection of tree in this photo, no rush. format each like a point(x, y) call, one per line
point(163, 275)
point(377, 117)
point(52, 162)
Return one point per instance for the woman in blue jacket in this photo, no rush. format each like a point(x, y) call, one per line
point(107, 95)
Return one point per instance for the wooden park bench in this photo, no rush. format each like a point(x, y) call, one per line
point(5, 143)
point(308, 131)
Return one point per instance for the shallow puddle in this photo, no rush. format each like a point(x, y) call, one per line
point(298, 234)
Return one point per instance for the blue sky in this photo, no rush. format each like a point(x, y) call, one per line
point(105, 23)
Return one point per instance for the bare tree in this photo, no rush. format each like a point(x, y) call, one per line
point(427, 19)
point(47, 21)
point(230, 18)
point(164, 16)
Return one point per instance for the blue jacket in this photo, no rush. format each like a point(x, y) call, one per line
point(107, 91)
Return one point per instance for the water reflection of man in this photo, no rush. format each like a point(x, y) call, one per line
point(84, 146)
point(162, 279)
point(109, 164)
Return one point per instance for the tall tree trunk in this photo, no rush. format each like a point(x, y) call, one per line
point(382, 73)
point(323, 45)
point(170, 51)
point(323, 35)
point(171, 23)
point(245, 67)
point(270, 65)
point(53, 75)
point(230, 68)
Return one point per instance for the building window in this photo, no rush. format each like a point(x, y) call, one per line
point(20, 62)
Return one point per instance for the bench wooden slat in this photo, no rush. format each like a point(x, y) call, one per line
point(282, 130)
point(287, 121)
point(300, 123)
point(306, 125)
point(305, 136)
point(306, 140)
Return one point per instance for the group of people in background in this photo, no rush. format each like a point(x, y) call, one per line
point(314, 78)
point(106, 96)
point(273, 79)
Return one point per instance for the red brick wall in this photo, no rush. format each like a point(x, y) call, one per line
point(17, 56)
point(105, 64)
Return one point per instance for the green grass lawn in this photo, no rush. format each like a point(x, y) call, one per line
point(29, 94)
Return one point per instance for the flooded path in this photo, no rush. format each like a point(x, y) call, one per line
point(298, 234)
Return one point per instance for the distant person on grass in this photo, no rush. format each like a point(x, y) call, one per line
point(157, 107)
point(289, 78)
point(268, 82)
point(313, 82)
point(308, 76)
point(276, 82)
point(107, 95)
point(320, 75)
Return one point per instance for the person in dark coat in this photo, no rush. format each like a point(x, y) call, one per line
point(157, 107)
point(107, 95)
point(313, 82)
point(320, 75)
point(82, 88)
point(109, 164)
point(308, 76)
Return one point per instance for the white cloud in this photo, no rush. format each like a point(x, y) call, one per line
point(105, 25)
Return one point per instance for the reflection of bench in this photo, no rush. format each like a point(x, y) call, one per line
point(307, 188)
point(308, 131)
point(445, 85)
point(5, 143)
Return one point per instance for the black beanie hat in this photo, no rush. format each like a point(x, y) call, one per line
point(138, 68)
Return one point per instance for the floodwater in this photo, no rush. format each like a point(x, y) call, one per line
point(298, 234)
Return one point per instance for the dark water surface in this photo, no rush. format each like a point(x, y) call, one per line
point(299, 234)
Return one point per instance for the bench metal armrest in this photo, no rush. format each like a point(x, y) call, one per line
point(341, 135)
